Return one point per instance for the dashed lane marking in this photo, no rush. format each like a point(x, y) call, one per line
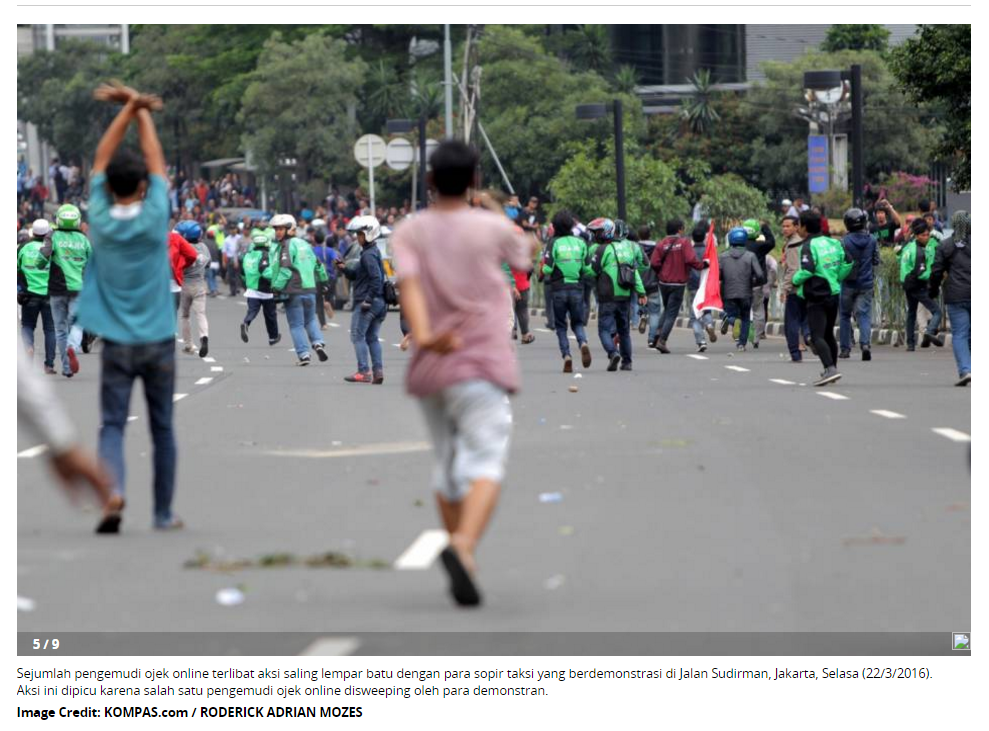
point(203, 381)
point(782, 382)
point(367, 450)
point(737, 368)
point(209, 359)
point(887, 414)
point(697, 357)
point(833, 396)
point(131, 418)
point(32, 451)
point(423, 551)
point(333, 324)
point(216, 369)
point(332, 646)
point(948, 433)
point(178, 397)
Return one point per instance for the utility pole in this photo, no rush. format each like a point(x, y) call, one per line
point(858, 169)
point(620, 159)
point(448, 82)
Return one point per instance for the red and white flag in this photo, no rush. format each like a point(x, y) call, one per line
point(708, 295)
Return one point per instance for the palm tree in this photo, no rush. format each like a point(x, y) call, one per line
point(698, 110)
point(626, 80)
point(385, 95)
point(589, 48)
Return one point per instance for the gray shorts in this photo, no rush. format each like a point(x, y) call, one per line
point(471, 425)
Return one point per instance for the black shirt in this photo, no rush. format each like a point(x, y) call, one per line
point(885, 233)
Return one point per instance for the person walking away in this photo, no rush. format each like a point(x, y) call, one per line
point(69, 252)
point(327, 256)
point(181, 254)
point(462, 368)
point(296, 271)
point(824, 264)
point(214, 262)
point(953, 267)
point(33, 271)
point(369, 302)
point(916, 259)
point(649, 319)
point(125, 297)
point(613, 263)
point(856, 290)
point(231, 252)
point(563, 271)
point(705, 323)
point(794, 308)
point(192, 298)
point(739, 268)
point(257, 268)
point(761, 242)
point(671, 259)
point(622, 233)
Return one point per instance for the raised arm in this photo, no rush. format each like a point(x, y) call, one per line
point(113, 136)
point(147, 137)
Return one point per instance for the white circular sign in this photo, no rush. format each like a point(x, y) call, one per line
point(369, 149)
point(399, 154)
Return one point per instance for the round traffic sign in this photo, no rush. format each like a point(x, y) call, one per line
point(399, 154)
point(369, 150)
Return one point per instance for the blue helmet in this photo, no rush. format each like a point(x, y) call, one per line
point(738, 236)
point(190, 231)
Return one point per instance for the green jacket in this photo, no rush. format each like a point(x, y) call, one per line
point(824, 263)
point(33, 267)
point(605, 261)
point(257, 269)
point(566, 261)
point(69, 252)
point(296, 268)
point(910, 265)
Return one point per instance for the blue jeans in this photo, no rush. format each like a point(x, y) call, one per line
point(795, 324)
point(34, 307)
point(270, 315)
point(67, 333)
point(654, 306)
point(364, 328)
point(612, 318)
point(706, 319)
point(740, 309)
point(672, 300)
point(300, 310)
point(858, 301)
point(960, 315)
point(210, 280)
point(154, 364)
point(569, 302)
point(920, 297)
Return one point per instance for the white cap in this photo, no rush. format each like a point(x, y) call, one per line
point(787, 202)
point(41, 228)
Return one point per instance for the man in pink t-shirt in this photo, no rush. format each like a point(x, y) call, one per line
point(463, 364)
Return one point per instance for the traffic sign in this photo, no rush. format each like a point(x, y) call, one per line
point(399, 154)
point(369, 148)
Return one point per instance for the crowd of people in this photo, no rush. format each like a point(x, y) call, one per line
point(464, 269)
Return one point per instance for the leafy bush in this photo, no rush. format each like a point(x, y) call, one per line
point(728, 199)
point(905, 191)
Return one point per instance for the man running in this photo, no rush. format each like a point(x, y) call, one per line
point(671, 259)
point(738, 268)
point(856, 290)
point(296, 271)
point(192, 299)
point(463, 366)
point(953, 265)
point(69, 253)
point(705, 323)
point(33, 269)
point(257, 268)
point(564, 269)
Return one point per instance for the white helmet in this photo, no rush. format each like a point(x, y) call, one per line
point(318, 223)
point(368, 224)
point(41, 228)
point(282, 220)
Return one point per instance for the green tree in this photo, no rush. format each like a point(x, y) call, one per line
point(935, 68)
point(586, 186)
point(301, 103)
point(626, 79)
point(856, 37)
point(698, 109)
point(55, 93)
point(728, 199)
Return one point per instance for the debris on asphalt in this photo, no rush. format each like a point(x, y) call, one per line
point(246, 359)
point(550, 497)
point(573, 389)
point(554, 582)
point(418, 503)
point(566, 427)
point(229, 597)
point(577, 375)
point(875, 538)
point(565, 530)
point(25, 605)
point(329, 559)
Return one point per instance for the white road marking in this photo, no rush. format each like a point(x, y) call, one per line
point(244, 304)
point(332, 646)
point(32, 452)
point(333, 324)
point(737, 368)
point(131, 418)
point(697, 357)
point(543, 330)
point(833, 396)
point(209, 359)
point(216, 369)
point(423, 551)
point(782, 382)
point(381, 340)
point(367, 450)
point(203, 381)
point(948, 433)
point(178, 397)
point(887, 414)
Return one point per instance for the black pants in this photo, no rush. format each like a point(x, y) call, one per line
point(320, 299)
point(522, 312)
point(821, 317)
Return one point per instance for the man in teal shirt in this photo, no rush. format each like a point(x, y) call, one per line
point(125, 297)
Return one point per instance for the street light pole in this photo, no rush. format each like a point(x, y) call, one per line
point(422, 162)
point(858, 164)
point(620, 159)
point(447, 82)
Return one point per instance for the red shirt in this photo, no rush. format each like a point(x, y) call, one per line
point(180, 255)
point(676, 254)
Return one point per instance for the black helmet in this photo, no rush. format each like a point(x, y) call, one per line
point(621, 230)
point(855, 220)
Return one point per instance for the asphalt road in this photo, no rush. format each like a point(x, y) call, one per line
point(721, 494)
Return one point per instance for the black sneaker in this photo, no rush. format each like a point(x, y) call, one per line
point(926, 341)
point(711, 334)
point(243, 332)
point(661, 346)
point(724, 326)
point(203, 346)
point(911, 348)
point(321, 353)
point(937, 340)
point(702, 348)
point(740, 347)
point(377, 378)
point(845, 354)
point(275, 340)
point(866, 353)
point(304, 360)
point(626, 367)
point(755, 343)
point(643, 324)
point(613, 362)
point(964, 380)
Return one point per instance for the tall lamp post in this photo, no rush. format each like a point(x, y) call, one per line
point(599, 111)
point(404, 126)
point(831, 83)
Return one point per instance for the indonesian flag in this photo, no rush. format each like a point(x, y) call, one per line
point(708, 295)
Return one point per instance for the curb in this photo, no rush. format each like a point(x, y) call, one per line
point(884, 336)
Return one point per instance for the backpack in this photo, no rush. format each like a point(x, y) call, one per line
point(626, 272)
point(389, 290)
point(913, 280)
